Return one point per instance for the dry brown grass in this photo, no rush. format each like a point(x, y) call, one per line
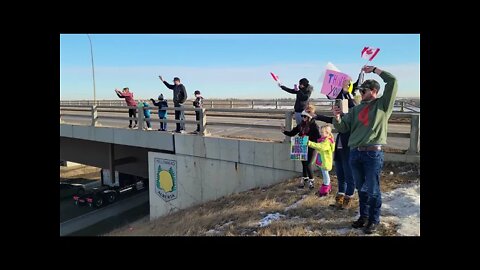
point(80, 174)
point(239, 214)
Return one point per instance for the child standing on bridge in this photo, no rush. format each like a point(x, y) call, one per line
point(325, 147)
point(162, 111)
point(197, 103)
point(146, 113)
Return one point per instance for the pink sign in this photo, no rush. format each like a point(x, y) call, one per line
point(333, 83)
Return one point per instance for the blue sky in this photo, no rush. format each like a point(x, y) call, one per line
point(227, 65)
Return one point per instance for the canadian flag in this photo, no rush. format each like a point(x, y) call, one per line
point(275, 77)
point(369, 53)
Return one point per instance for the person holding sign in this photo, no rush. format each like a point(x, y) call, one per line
point(303, 94)
point(341, 157)
point(309, 128)
point(324, 160)
point(367, 124)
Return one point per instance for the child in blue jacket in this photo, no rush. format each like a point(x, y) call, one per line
point(162, 111)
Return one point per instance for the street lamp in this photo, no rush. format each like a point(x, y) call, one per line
point(93, 72)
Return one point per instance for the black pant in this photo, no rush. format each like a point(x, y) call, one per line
point(197, 117)
point(307, 164)
point(132, 113)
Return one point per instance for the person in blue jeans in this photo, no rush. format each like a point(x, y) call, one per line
point(341, 157)
point(367, 124)
point(162, 111)
point(179, 97)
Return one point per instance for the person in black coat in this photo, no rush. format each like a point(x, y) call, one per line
point(341, 156)
point(303, 93)
point(309, 128)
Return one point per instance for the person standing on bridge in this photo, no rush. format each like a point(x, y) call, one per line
point(128, 96)
point(303, 94)
point(367, 124)
point(162, 111)
point(309, 128)
point(179, 97)
point(197, 103)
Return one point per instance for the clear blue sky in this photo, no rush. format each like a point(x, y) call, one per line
point(227, 65)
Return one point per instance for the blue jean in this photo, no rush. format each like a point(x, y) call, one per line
point(298, 117)
point(346, 184)
point(179, 115)
point(366, 167)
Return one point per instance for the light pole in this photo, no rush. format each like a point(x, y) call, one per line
point(93, 72)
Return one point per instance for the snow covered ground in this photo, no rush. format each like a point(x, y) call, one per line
point(402, 206)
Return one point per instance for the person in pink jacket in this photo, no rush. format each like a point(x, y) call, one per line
point(128, 96)
point(325, 147)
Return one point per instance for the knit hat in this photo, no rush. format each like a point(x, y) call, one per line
point(160, 97)
point(196, 92)
point(303, 82)
point(306, 113)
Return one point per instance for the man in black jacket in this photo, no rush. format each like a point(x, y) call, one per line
point(179, 97)
point(303, 94)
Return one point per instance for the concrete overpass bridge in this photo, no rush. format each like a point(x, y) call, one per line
point(201, 167)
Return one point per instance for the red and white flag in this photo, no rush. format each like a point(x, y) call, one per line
point(369, 53)
point(275, 77)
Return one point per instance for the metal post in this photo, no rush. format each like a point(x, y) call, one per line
point(94, 115)
point(231, 104)
point(276, 104)
point(203, 123)
point(414, 135)
point(252, 104)
point(140, 117)
point(288, 124)
point(211, 103)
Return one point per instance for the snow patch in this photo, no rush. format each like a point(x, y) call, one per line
point(269, 218)
point(402, 206)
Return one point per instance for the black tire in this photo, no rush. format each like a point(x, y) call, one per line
point(98, 202)
point(111, 197)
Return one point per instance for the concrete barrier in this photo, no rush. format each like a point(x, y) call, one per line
point(209, 168)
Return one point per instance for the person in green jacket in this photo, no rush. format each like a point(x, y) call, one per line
point(325, 148)
point(367, 124)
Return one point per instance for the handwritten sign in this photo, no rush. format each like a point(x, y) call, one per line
point(333, 83)
point(299, 148)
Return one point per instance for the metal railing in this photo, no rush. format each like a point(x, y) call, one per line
point(286, 114)
point(401, 105)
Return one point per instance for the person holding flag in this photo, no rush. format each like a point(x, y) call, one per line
point(367, 124)
point(303, 95)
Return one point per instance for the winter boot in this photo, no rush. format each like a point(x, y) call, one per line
point(346, 202)
point(324, 190)
point(302, 182)
point(310, 184)
point(360, 222)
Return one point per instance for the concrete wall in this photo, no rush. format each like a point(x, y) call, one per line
point(209, 168)
point(130, 137)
